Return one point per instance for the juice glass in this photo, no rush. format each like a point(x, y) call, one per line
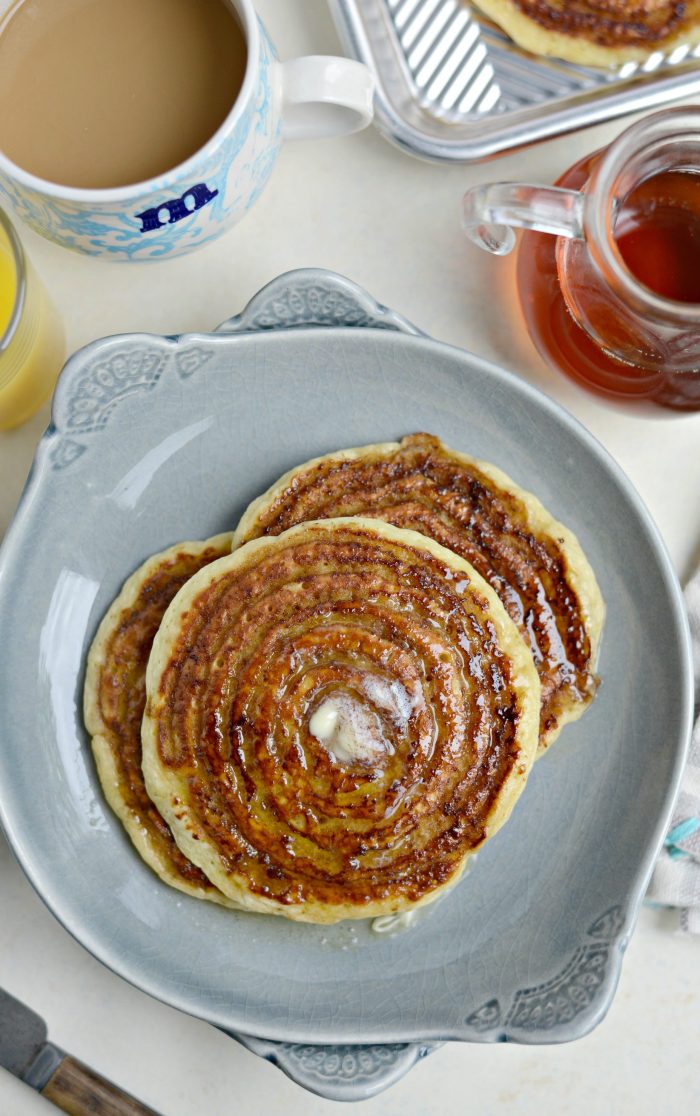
point(608, 278)
point(31, 336)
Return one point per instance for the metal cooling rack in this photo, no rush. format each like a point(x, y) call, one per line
point(451, 86)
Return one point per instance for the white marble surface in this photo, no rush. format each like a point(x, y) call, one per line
point(391, 223)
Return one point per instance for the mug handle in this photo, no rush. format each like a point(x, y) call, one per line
point(325, 96)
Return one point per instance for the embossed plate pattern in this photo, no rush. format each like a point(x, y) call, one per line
point(451, 86)
point(157, 439)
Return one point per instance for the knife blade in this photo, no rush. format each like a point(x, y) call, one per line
point(22, 1035)
point(26, 1052)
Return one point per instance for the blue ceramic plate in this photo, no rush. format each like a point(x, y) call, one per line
point(158, 439)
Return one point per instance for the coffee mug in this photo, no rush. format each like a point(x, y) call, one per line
point(196, 201)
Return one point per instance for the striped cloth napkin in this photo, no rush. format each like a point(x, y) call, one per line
point(676, 879)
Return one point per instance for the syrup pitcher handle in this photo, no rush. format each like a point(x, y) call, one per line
point(489, 213)
point(324, 96)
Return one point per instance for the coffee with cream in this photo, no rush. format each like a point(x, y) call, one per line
point(105, 93)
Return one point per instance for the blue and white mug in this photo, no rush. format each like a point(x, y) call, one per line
point(213, 189)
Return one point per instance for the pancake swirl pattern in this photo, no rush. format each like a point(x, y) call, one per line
point(337, 718)
point(115, 698)
point(534, 564)
point(597, 32)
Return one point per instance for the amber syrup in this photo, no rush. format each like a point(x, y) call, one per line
point(657, 233)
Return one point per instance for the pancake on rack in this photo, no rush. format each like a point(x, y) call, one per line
point(597, 32)
point(115, 697)
point(337, 718)
point(534, 564)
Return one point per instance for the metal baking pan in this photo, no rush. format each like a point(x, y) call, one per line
point(451, 86)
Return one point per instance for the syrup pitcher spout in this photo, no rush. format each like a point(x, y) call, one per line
point(490, 213)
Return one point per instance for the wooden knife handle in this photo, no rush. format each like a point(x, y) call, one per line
point(80, 1092)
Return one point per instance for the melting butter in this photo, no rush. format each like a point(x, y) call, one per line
point(394, 924)
point(324, 721)
point(348, 730)
point(398, 923)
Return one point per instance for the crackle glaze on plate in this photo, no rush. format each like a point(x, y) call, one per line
point(158, 439)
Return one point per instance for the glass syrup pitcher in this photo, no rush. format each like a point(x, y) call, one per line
point(609, 276)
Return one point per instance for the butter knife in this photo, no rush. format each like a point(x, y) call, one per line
point(61, 1079)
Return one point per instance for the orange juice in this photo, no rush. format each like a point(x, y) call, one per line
point(8, 282)
point(31, 337)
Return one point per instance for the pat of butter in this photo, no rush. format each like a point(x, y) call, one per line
point(349, 730)
point(324, 721)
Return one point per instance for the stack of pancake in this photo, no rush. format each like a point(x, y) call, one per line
point(326, 713)
point(597, 32)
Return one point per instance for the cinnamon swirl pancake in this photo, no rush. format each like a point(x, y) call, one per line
point(115, 697)
point(534, 564)
point(597, 32)
point(337, 718)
